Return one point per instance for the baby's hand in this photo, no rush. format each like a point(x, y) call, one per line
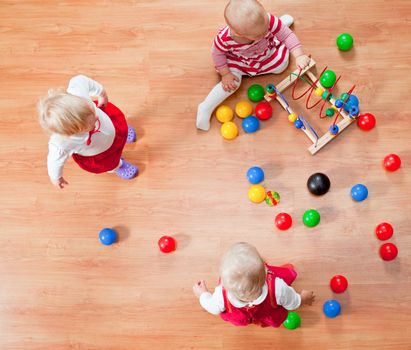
point(199, 288)
point(307, 297)
point(303, 61)
point(61, 182)
point(229, 81)
point(102, 99)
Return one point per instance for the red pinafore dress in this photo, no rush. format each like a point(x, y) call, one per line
point(266, 314)
point(110, 158)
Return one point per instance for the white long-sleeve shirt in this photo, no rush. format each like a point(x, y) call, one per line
point(61, 147)
point(285, 296)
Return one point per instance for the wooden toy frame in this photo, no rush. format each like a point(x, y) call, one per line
point(318, 142)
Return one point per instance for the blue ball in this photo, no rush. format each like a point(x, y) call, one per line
point(255, 175)
point(250, 124)
point(331, 308)
point(354, 101)
point(359, 192)
point(107, 236)
point(298, 124)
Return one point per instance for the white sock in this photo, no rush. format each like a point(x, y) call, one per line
point(216, 96)
point(287, 20)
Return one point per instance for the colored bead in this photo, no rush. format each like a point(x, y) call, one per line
point(333, 129)
point(318, 92)
point(354, 111)
point(326, 95)
point(270, 88)
point(298, 124)
point(329, 112)
point(328, 78)
point(338, 103)
point(292, 117)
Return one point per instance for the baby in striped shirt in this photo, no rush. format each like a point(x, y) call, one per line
point(254, 42)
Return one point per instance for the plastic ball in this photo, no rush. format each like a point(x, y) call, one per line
point(298, 124)
point(345, 41)
point(292, 117)
point(255, 175)
point(328, 78)
point(392, 162)
point(107, 236)
point(292, 321)
point(311, 218)
point(229, 130)
point(272, 199)
point(243, 109)
point(318, 184)
point(256, 193)
point(384, 231)
point(283, 221)
point(388, 251)
point(256, 92)
point(329, 112)
point(331, 308)
point(263, 110)
point(318, 92)
point(326, 95)
point(167, 244)
point(366, 121)
point(359, 192)
point(338, 284)
point(338, 103)
point(250, 124)
point(224, 114)
point(334, 129)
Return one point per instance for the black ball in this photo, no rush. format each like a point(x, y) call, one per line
point(318, 184)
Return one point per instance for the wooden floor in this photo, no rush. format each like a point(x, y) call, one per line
point(61, 289)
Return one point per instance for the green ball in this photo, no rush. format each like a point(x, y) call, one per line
point(329, 112)
point(328, 78)
point(345, 42)
point(256, 92)
point(311, 218)
point(292, 321)
point(326, 95)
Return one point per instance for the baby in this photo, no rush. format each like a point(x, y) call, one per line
point(251, 291)
point(254, 42)
point(93, 133)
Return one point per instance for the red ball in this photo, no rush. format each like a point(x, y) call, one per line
point(384, 231)
point(338, 284)
point(388, 251)
point(366, 121)
point(263, 110)
point(283, 221)
point(167, 244)
point(392, 162)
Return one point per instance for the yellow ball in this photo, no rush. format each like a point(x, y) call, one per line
point(318, 92)
point(229, 130)
point(243, 109)
point(224, 114)
point(292, 117)
point(256, 193)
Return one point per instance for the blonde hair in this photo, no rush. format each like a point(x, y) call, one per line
point(246, 17)
point(64, 113)
point(242, 271)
